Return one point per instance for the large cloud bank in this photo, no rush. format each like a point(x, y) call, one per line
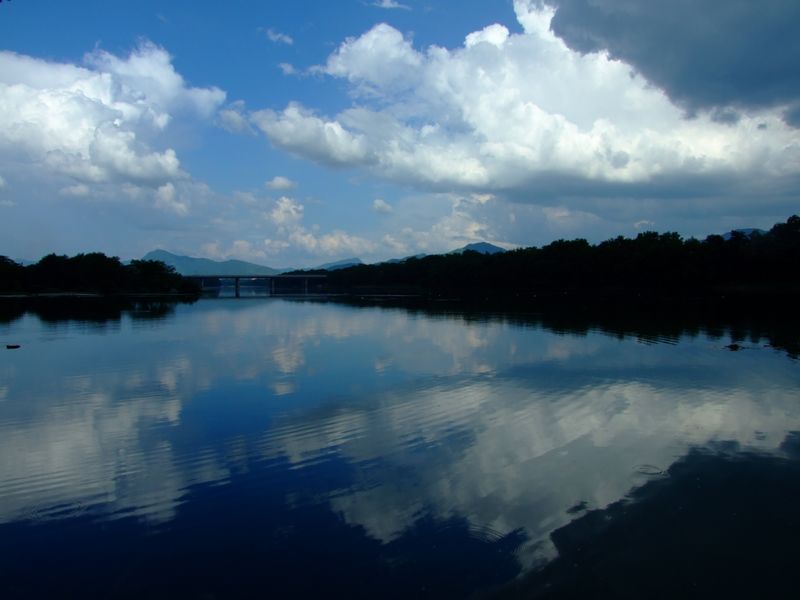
point(510, 111)
point(732, 56)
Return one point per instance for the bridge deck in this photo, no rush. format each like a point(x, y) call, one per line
point(237, 279)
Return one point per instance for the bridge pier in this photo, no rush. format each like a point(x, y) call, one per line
point(288, 289)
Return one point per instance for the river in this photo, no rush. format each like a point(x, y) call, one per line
point(257, 447)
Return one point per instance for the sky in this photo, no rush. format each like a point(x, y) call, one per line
point(296, 133)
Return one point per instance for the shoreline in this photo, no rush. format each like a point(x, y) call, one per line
point(95, 295)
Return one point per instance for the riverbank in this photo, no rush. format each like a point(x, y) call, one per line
point(72, 295)
point(93, 274)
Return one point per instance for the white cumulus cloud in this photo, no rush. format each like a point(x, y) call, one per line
point(168, 199)
point(516, 112)
point(287, 216)
point(278, 37)
point(287, 212)
point(287, 68)
point(234, 119)
point(381, 206)
point(299, 131)
point(378, 62)
point(336, 243)
point(390, 4)
point(95, 122)
point(279, 182)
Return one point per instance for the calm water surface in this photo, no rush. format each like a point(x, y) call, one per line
point(266, 448)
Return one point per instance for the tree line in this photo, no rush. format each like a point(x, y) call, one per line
point(658, 263)
point(91, 273)
point(661, 264)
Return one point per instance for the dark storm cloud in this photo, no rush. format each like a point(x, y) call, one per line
point(552, 188)
point(718, 55)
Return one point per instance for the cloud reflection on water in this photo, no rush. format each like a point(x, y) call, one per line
point(506, 426)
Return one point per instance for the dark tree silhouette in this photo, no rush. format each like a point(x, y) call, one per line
point(652, 263)
point(91, 273)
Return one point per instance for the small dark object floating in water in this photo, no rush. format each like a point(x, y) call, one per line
point(12, 346)
point(650, 470)
point(733, 347)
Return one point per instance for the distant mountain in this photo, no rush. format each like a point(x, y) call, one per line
point(747, 232)
point(479, 247)
point(187, 265)
point(405, 258)
point(340, 264)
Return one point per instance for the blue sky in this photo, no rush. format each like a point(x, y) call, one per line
point(295, 133)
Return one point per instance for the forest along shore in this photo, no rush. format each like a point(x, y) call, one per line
point(650, 266)
point(91, 275)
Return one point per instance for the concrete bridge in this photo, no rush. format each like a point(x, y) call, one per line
point(299, 281)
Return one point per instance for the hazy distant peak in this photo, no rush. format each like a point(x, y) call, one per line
point(747, 232)
point(188, 265)
point(480, 247)
point(341, 264)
